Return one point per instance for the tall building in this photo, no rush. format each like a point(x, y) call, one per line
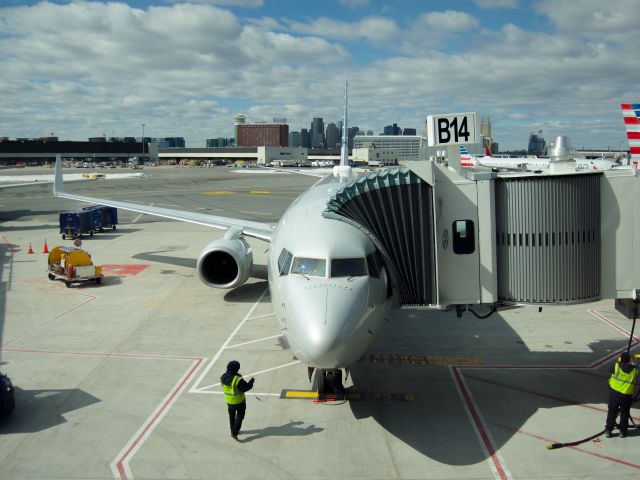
point(351, 133)
point(317, 133)
point(220, 142)
point(333, 136)
point(295, 139)
point(262, 135)
point(392, 130)
point(537, 145)
point(409, 131)
point(305, 138)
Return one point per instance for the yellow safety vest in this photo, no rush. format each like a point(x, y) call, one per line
point(231, 393)
point(623, 382)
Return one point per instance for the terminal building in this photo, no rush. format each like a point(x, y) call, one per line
point(409, 147)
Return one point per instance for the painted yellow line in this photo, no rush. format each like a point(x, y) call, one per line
point(217, 193)
point(300, 394)
point(257, 192)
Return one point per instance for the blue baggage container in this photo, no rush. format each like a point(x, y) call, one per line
point(75, 223)
point(95, 217)
point(108, 216)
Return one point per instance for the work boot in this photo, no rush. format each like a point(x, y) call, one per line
point(607, 433)
point(623, 433)
point(234, 436)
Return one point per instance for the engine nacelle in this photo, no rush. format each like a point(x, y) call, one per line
point(225, 263)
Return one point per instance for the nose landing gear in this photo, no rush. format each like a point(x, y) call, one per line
point(327, 381)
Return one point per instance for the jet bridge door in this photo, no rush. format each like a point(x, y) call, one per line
point(394, 207)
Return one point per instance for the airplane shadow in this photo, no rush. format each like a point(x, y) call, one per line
point(247, 293)
point(38, 410)
point(291, 429)
point(435, 421)
point(168, 260)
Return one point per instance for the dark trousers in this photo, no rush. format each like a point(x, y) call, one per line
point(236, 415)
point(618, 401)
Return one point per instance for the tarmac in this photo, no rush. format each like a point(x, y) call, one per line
point(121, 380)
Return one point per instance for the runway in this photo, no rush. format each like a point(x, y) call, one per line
point(122, 380)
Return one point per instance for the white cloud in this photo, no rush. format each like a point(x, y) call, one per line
point(225, 3)
point(376, 29)
point(496, 3)
point(449, 21)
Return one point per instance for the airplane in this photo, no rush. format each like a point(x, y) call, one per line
point(532, 163)
point(328, 282)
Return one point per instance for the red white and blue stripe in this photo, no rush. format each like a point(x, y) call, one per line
point(631, 114)
point(466, 160)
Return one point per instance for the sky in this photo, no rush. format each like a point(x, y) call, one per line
point(79, 69)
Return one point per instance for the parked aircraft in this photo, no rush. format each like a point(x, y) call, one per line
point(531, 163)
point(329, 286)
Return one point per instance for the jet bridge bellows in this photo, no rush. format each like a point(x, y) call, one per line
point(394, 207)
point(548, 238)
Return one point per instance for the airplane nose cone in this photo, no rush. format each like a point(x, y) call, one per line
point(326, 316)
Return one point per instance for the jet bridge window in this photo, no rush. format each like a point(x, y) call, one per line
point(348, 267)
point(284, 261)
point(313, 267)
point(463, 237)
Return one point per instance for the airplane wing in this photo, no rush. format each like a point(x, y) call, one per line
point(262, 231)
point(23, 184)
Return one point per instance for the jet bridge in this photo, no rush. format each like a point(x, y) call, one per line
point(481, 237)
point(394, 207)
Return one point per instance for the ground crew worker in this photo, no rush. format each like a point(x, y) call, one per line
point(621, 390)
point(234, 387)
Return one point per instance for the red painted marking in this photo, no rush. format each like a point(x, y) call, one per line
point(120, 464)
point(538, 437)
point(476, 419)
point(631, 121)
point(633, 135)
point(123, 270)
point(626, 106)
point(634, 150)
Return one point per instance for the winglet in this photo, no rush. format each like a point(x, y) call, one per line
point(58, 188)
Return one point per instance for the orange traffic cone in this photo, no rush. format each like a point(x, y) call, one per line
point(30, 251)
point(45, 249)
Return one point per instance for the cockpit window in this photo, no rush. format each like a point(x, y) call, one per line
point(313, 267)
point(348, 267)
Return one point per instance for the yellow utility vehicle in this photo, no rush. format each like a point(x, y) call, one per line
point(72, 265)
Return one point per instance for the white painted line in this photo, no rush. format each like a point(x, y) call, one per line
point(261, 316)
point(253, 341)
point(256, 373)
point(194, 388)
point(120, 465)
point(139, 216)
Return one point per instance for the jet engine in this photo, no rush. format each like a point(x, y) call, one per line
point(225, 263)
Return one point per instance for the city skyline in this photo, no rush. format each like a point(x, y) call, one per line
point(85, 69)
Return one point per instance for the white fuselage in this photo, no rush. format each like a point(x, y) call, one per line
point(535, 163)
point(328, 318)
